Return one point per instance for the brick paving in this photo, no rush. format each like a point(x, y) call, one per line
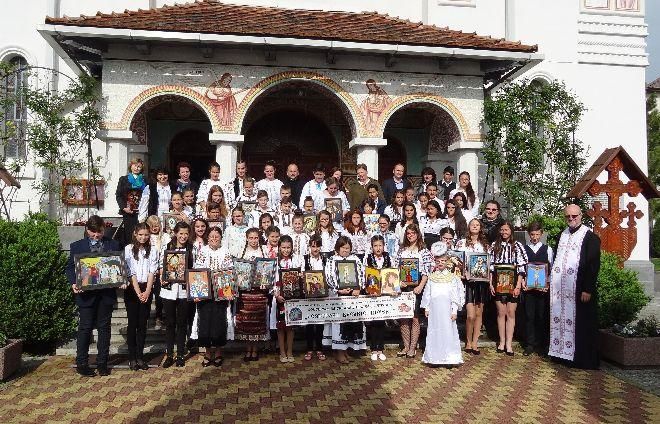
point(490, 387)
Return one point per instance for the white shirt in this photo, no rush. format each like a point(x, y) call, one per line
point(164, 198)
point(143, 266)
point(316, 263)
point(319, 201)
point(174, 290)
point(234, 239)
point(432, 226)
point(272, 187)
point(473, 208)
point(300, 243)
point(205, 186)
point(311, 188)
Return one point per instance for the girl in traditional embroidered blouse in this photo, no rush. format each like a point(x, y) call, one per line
point(409, 217)
point(265, 222)
point(175, 301)
point(314, 332)
point(455, 219)
point(432, 223)
point(157, 239)
point(286, 259)
point(184, 213)
point(461, 203)
point(212, 314)
point(327, 232)
point(299, 236)
point(395, 209)
point(142, 265)
point(189, 200)
point(252, 309)
point(201, 229)
point(422, 203)
point(476, 292)
point(350, 335)
point(379, 259)
point(234, 239)
point(354, 229)
point(413, 247)
point(205, 186)
point(216, 195)
point(507, 251)
point(367, 206)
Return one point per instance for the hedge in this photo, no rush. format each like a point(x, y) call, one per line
point(36, 301)
point(620, 294)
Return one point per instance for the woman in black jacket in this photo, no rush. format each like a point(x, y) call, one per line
point(129, 191)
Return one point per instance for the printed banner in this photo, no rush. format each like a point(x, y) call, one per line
point(348, 309)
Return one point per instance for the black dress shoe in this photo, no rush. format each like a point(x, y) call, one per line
point(85, 371)
point(509, 353)
point(246, 358)
point(180, 362)
point(168, 362)
point(141, 365)
point(498, 350)
point(217, 362)
point(476, 352)
point(207, 362)
point(528, 351)
point(132, 366)
point(103, 370)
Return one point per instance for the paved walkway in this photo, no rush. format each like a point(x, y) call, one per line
point(488, 388)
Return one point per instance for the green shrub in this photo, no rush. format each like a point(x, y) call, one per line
point(552, 226)
point(655, 240)
point(37, 303)
point(620, 294)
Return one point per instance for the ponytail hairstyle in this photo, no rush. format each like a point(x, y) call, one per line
point(136, 246)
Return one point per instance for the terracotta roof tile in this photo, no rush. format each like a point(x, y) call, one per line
point(210, 16)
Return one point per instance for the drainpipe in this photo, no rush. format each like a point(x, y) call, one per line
point(509, 20)
point(53, 61)
point(425, 12)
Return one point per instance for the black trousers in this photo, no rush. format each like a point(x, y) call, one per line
point(376, 331)
point(176, 322)
point(138, 314)
point(537, 325)
point(314, 337)
point(155, 290)
point(97, 315)
point(129, 221)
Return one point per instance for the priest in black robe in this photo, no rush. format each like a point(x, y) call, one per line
point(573, 294)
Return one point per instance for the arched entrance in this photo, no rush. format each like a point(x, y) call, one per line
point(174, 129)
point(389, 156)
point(422, 129)
point(296, 121)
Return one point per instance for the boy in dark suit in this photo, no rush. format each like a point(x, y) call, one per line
point(94, 306)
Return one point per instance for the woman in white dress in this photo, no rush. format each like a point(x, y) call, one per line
point(442, 299)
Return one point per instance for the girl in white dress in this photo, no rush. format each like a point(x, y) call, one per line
point(350, 335)
point(395, 209)
point(234, 239)
point(443, 298)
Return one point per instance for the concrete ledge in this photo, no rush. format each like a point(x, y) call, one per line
point(645, 273)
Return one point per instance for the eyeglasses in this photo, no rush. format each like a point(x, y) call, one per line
point(571, 216)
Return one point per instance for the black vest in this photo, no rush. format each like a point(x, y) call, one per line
point(371, 260)
point(152, 207)
point(541, 256)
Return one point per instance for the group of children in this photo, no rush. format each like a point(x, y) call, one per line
point(213, 229)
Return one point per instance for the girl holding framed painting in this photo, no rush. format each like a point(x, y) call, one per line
point(409, 217)
point(350, 335)
point(234, 239)
point(476, 292)
point(313, 261)
point(142, 264)
point(286, 259)
point(327, 232)
point(252, 309)
point(432, 223)
point(506, 251)
point(175, 299)
point(212, 314)
point(129, 191)
point(413, 247)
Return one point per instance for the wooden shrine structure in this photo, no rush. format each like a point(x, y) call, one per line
point(607, 222)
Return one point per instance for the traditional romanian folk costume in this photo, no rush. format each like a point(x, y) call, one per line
point(252, 308)
point(476, 292)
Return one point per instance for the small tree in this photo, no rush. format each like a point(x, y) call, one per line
point(653, 140)
point(61, 127)
point(531, 145)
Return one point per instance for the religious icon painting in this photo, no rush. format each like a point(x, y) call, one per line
point(314, 284)
point(476, 266)
point(309, 223)
point(333, 206)
point(505, 278)
point(175, 263)
point(169, 222)
point(264, 273)
point(100, 270)
point(456, 262)
point(371, 222)
point(372, 281)
point(290, 281)
point(224, 286)
point(390, 283)
point(346, 274)
point(409, 271)
point(537, 276)
point(243, 273)
point(198, 284)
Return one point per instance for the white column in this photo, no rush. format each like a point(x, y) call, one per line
point(367, 152)
point(467, 155)
point(116, 165)
point(226, 153)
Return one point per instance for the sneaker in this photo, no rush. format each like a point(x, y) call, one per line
point(290, 359)
point(374, 356)
point(382, 356)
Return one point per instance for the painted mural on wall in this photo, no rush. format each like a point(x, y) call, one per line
point(368, 99)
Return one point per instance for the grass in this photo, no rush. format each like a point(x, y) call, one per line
point(656, 264)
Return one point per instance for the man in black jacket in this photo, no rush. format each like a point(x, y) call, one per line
point(396, 183)
point(294, 181)
point(94, 306)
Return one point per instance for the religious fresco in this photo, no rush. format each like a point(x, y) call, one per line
point(226, 94)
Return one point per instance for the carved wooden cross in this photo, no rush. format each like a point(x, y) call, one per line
point(613, 237)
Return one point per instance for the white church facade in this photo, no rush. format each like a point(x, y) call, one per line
point(327, 82)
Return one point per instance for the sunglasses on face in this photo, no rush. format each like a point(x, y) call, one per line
point(571, 216)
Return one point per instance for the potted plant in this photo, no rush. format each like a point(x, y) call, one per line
point(633, 345)
point(620, 298)
point(10, 356)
